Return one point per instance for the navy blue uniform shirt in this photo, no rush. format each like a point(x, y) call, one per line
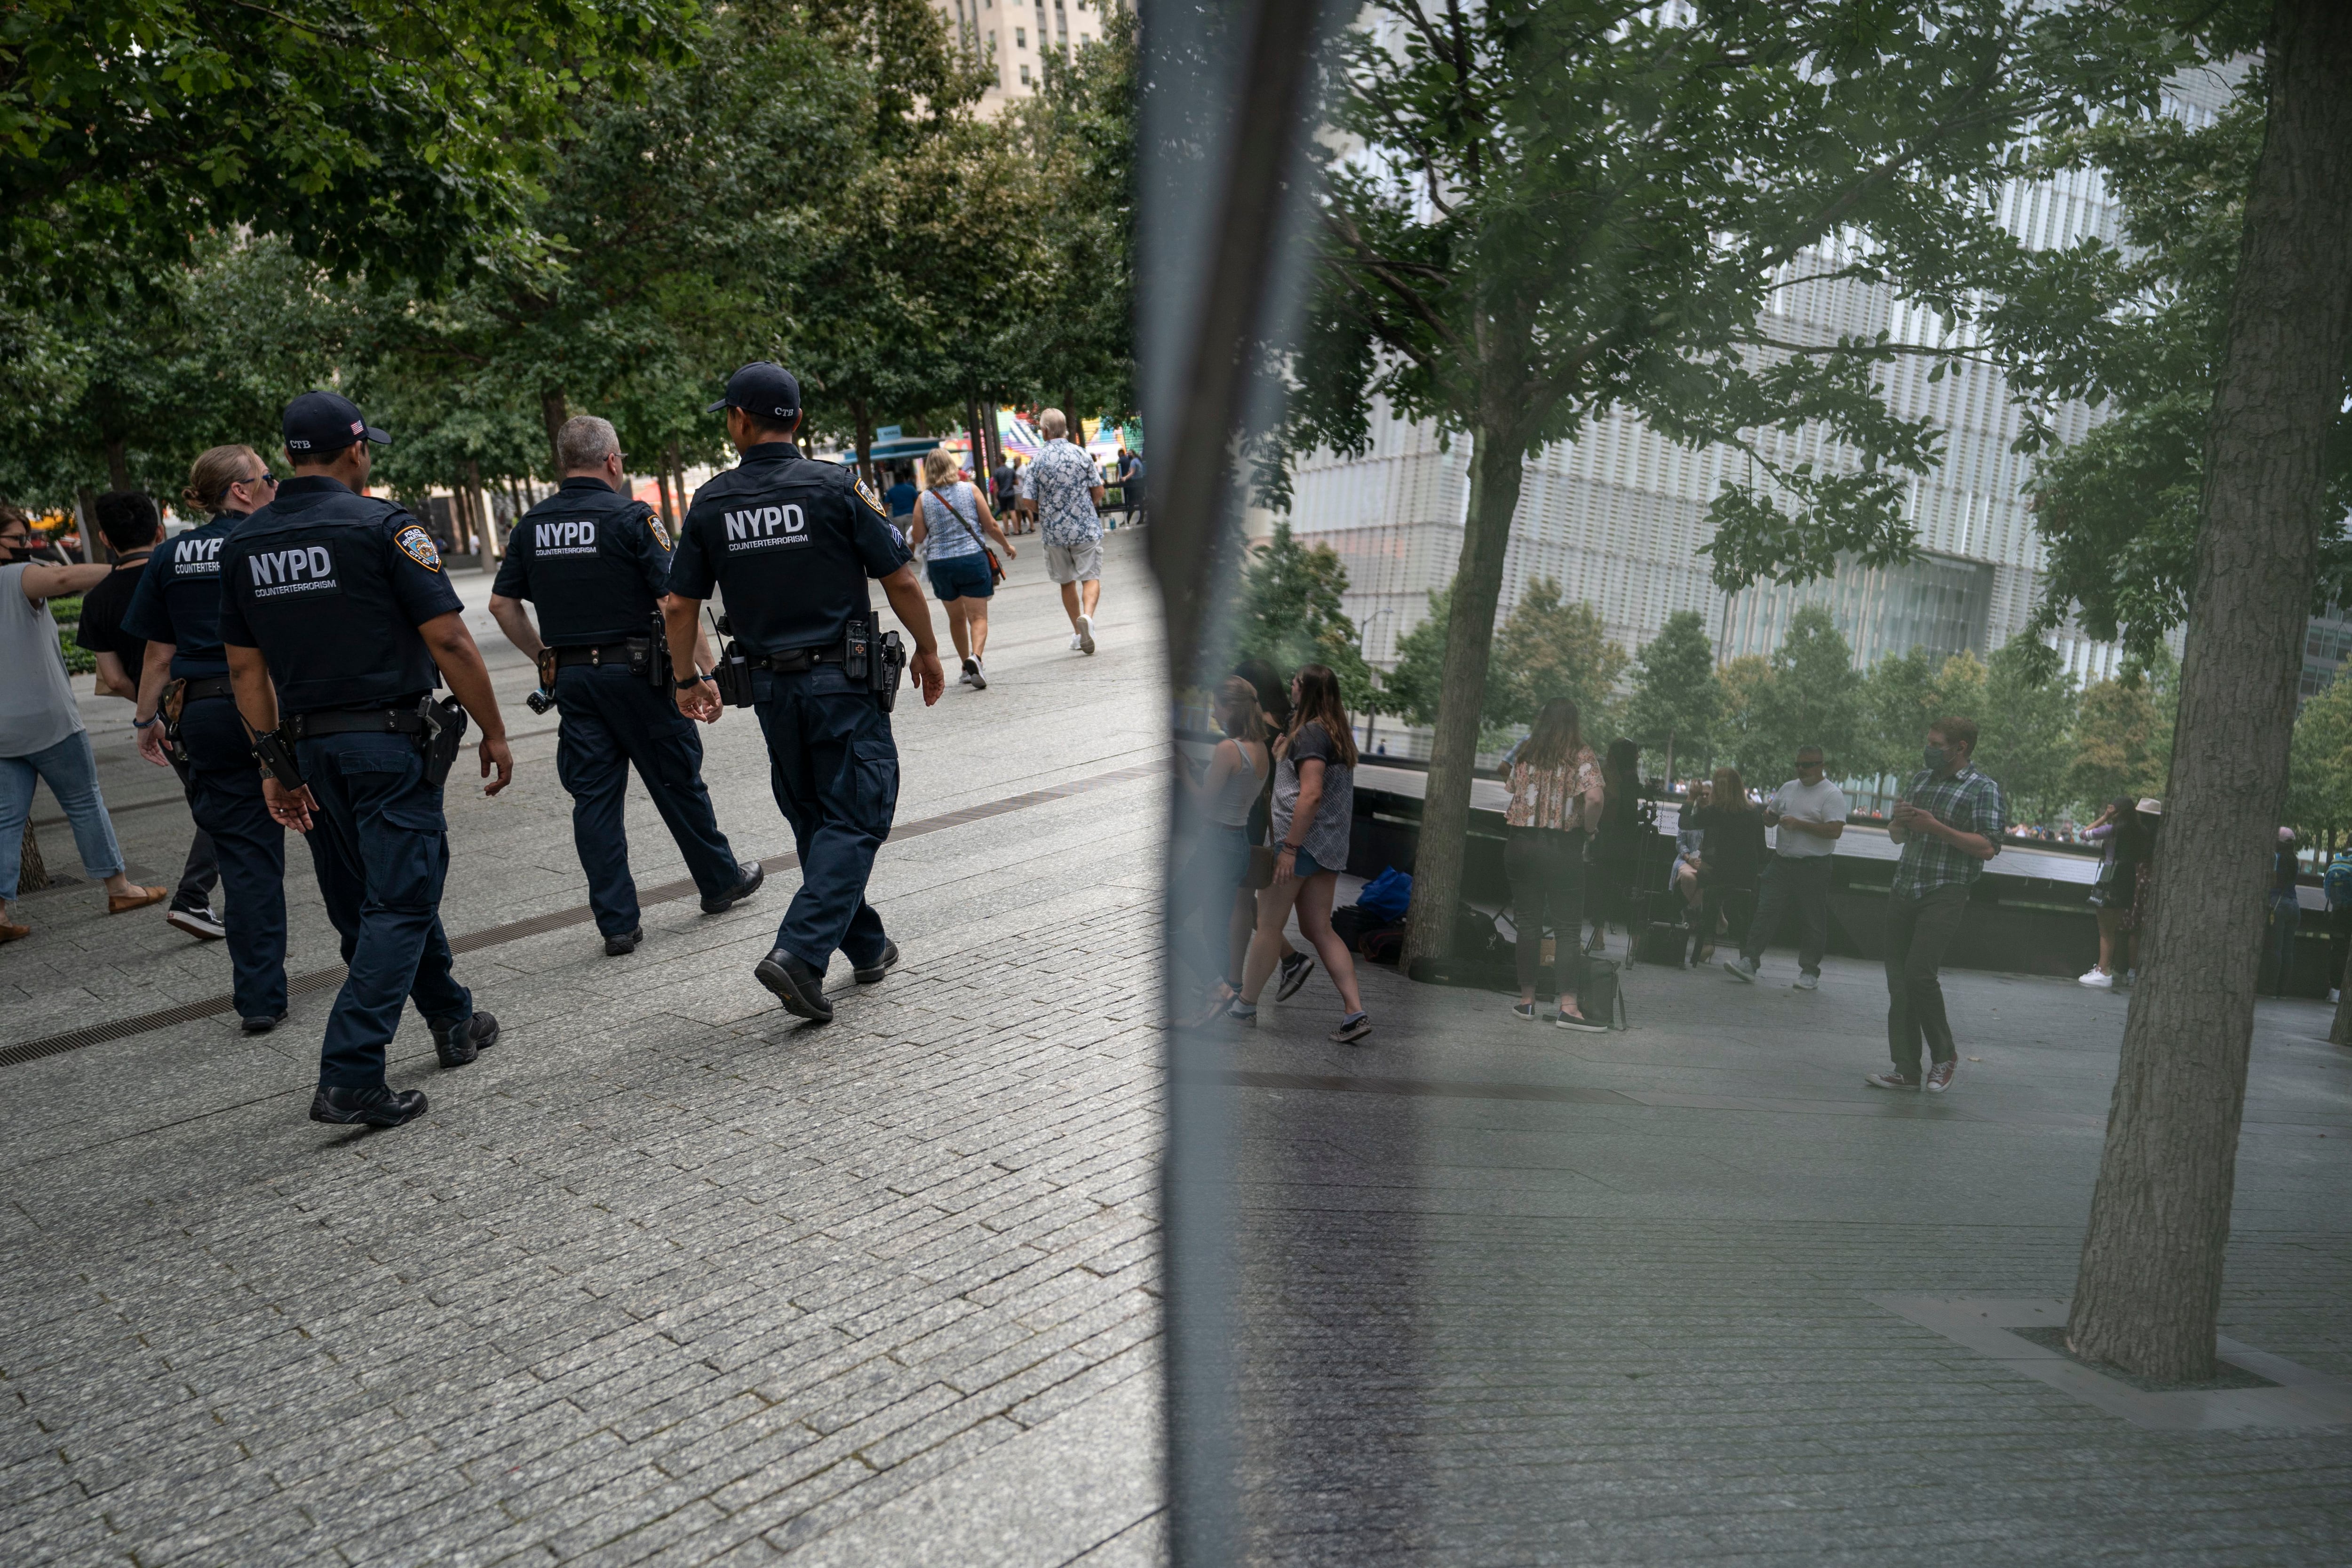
point(594, 562)
point(332, 586)
point(179, 600)
point(790, 543)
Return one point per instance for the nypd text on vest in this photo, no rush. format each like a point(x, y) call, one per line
point(574, 538)
point(198, 557)
point(764, 527)
point(305, 569)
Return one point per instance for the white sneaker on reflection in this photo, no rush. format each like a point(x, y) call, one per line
point(2098, 980)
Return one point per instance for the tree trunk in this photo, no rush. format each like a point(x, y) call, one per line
point(485, 519)
point(552, 410)
point(1496, 475)
point(2340, 1031)
point(85, 522)
point(979, 443)
point(33, 872)
point(865, 432)
point(117, 464)
point(2148, 1297)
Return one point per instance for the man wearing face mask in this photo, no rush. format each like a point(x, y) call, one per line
point(1949, 823)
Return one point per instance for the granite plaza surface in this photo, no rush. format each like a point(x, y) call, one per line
point(666, 1278)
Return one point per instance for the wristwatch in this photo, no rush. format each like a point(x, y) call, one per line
point(695, 679)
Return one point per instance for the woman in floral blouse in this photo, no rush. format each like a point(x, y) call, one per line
point(1556, 798)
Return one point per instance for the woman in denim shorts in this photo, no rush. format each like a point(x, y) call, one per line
point(951, 522)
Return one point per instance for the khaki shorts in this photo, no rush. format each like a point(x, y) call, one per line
point(1075, 563)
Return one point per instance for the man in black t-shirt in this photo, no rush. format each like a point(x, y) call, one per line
point(133, 528)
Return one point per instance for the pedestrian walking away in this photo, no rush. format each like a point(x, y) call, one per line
point(1948, 822)
point(187, 719)
point(1314, 808)
point(1555, 804)
point(2283, 912)
point(132, 529)
point(1217, 863)
point(1062, 490)
point(339, 623)
point(950, 520)
point(41, 734)
point(1291, 966)
point(1807, 816)
point(791, 544)
point(594, 562)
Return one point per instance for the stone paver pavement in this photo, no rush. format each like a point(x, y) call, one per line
point(666, 1277)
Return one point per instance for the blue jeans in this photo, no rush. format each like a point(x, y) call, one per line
point(834, 770)
point(382, 849)
point(72, 769)
point(611, 719)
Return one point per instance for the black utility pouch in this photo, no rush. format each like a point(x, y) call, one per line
point(543, 699)
point(733, 676)
point(856, 649)
point(659, 673)
point(445, 731)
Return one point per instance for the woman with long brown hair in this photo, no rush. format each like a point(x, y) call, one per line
point(1314, 808)
point(1219, 858)
point(1555, 804)
point(1729, 859)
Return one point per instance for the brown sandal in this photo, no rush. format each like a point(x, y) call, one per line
point(138, 898)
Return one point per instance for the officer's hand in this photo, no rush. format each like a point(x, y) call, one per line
point(288, 808)
point(495, 754)
point(925, 667)
point(700, 702)
point(151, 746)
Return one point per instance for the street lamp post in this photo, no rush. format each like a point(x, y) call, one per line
point(1363, 648)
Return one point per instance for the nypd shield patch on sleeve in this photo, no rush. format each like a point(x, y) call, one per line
point(866, 494)
point(418, 546)
point(661, 535)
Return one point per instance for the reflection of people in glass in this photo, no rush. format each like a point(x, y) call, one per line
point(1273, 701)
point(1314, 806)
point(1219, 863)
point(1556, 801)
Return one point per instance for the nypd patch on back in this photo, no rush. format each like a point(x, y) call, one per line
point(418, 546)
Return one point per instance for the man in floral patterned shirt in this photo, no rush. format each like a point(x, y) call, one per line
point(1064, 491)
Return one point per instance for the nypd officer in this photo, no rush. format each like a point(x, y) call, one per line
point(334, 614)
point(177, 610)
point(594, 562)
point(791, 543)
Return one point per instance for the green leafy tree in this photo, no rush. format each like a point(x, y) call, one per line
point(2120, 743)
point(1743, 735)
point(2026, 727)
point(1536, 210)
point(370, 135)
point(1898, 699)
point(1290, 614)
point(1677, 698)
point(1812, 700)
point(1548, 649)
point(2319, 767)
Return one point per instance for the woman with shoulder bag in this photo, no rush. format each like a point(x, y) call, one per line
point(1555, 804)
point(950, 519)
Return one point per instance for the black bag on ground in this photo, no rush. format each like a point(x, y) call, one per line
point(1659, 935)
point(1385, 946)
point(1601, 998)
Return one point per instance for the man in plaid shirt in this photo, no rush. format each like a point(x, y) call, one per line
point(1949, 823)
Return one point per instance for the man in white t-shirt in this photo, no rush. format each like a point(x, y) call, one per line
point(1807, 815)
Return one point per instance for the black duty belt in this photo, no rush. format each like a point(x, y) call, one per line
point(205, 686)
point(791, 661)
point(594, 658)
point(356, 721)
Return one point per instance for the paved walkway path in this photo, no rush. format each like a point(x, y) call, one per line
point(666, 1276)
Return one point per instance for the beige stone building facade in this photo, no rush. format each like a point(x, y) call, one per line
point(1013, 36)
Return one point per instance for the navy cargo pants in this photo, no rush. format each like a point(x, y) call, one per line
point(225, 797)
point(382, 849)
point(835, 769)
point(613, 720)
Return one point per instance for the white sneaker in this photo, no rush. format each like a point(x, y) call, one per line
point(1086, 634)
point(970, 669)
point(1806, 983)
point(2098, 980)
point(1076, 644)
point(978, 677)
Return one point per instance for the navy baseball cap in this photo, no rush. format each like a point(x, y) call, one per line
point(763, 390)
point(318, 423)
